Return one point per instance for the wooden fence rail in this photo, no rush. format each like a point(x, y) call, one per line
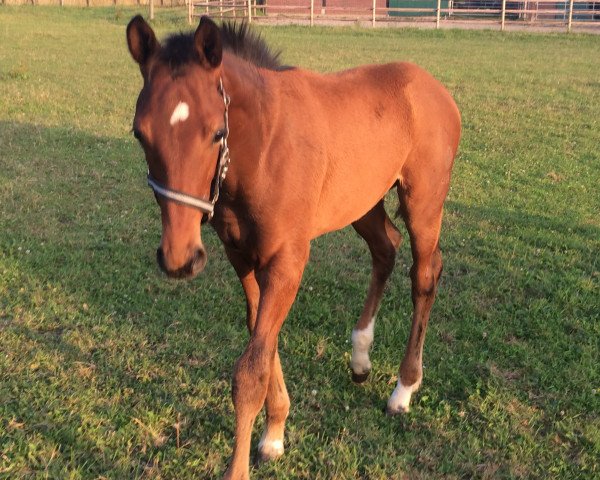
point(565, 13)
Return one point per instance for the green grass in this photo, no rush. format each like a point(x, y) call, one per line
point(108, 370)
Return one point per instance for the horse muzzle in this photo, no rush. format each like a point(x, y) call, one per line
point(190, 269)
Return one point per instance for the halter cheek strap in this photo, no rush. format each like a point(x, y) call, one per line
point(204, 205)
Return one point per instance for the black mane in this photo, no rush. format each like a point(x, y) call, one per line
point(178, 49)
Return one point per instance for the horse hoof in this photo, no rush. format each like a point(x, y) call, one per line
point(360, 377)
point(392, 412)
point(270, 450)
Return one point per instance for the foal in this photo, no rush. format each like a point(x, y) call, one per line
point(309, 153)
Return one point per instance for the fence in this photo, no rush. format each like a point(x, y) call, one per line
point(224, 9)
point(570, 14)
point(566, 13)
point(96, 3)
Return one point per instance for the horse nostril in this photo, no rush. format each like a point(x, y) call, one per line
point(199, 260)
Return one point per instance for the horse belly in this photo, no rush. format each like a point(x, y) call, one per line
point(358, 177)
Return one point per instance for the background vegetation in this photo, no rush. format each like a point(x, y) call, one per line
point(108, 370)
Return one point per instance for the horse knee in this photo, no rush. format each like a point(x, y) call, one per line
point(425, 276)
point(250, 379)
point(423, 280)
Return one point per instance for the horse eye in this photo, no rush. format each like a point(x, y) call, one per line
point(219, 135)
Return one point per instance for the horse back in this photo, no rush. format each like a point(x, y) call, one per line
point(346, 138)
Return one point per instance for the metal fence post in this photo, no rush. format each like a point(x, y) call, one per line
point(374, 6)
point(570, 16)
point(503, 14)
point(312, 12)
point(437, 15)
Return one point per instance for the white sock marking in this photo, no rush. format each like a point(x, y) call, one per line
point(400, 399)
point(180, 114)
point(361, 343)
point(271, 447)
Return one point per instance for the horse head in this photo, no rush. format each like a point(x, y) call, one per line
point(180, 122)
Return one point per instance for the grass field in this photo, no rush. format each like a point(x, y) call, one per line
point(108, 370)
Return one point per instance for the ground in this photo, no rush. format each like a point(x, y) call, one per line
point(108, 370)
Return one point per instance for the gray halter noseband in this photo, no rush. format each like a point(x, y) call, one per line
point(205, 206)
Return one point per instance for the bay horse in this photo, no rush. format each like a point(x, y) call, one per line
point(310, 153)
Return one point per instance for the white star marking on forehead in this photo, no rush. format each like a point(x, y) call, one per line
point(180, 114)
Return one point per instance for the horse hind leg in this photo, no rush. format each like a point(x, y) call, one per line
point(383, 239)
point(422, 214)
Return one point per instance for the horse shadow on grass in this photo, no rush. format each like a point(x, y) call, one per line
point(106, 354)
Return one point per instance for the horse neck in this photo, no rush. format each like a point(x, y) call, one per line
point(250, 91)
point(250, 113)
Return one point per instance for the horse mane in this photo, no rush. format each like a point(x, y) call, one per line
point(238, 38)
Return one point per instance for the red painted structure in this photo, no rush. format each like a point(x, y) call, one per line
point(323, 7)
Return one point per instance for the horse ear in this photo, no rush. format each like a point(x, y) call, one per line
point(141, 40)
point(208, 42)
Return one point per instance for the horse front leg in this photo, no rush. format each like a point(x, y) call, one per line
point(278, 284)
point(277, 402)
